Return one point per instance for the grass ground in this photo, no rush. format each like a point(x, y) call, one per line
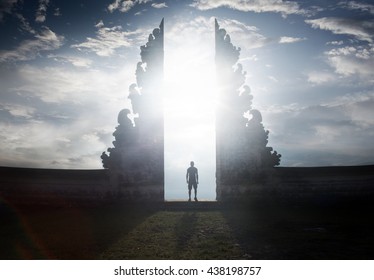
point(229, 232)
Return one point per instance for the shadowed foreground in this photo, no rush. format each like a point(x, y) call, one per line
point(187, 231)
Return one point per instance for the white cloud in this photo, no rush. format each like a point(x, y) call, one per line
point(353, 5)
point(18, 110)
point(272, 78)
point(100, 24)
point(159, 5)
point(57, 12)
point(6, 7)
point(125, 5)
point(242, 35)
point(46, 40)
point(338, 132)
point(321, 77)
point(349, 61)
point(362, 30)
point(289, 40)
point(74, 60)
point(107, 40)
point(140, 12)
point(41, 144)
point(358, 106)
point(57, 84)
point(79, 61)
point(200, 26)
point(335, 43)
point(25, 25)
point(277, 6)
point(253, 57)
point(42, 11)
point(67, 103)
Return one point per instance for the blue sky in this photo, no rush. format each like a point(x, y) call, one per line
point(65, 69)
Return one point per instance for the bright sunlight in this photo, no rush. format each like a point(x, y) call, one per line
point(190, 93)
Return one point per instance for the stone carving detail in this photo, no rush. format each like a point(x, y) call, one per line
point(137, 155)
point(242, 152)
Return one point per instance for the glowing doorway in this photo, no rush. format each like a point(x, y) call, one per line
point(190, 93)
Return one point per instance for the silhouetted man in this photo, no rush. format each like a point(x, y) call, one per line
point(192, 178)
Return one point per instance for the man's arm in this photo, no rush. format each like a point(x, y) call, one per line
point(197, 177)
point(187, 176)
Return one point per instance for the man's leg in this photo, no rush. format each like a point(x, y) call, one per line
point(189, 192)
point(195, 189)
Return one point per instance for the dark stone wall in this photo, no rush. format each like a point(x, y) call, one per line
point(69, 187)
point(318, 184)
point(53, 186)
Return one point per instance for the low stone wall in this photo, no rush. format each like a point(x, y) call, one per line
point(68, 187)
point(307, 183)
point(64, 187)
point(53, 186)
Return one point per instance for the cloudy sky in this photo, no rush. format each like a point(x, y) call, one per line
point(65, 69)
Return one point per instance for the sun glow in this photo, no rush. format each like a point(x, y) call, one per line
point(189, 100)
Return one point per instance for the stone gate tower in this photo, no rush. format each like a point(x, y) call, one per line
point(242, 156)
point(136, 162)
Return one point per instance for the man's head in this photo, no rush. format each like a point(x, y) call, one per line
point(192, 163)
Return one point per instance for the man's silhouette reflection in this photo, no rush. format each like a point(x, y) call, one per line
point(192, 178)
